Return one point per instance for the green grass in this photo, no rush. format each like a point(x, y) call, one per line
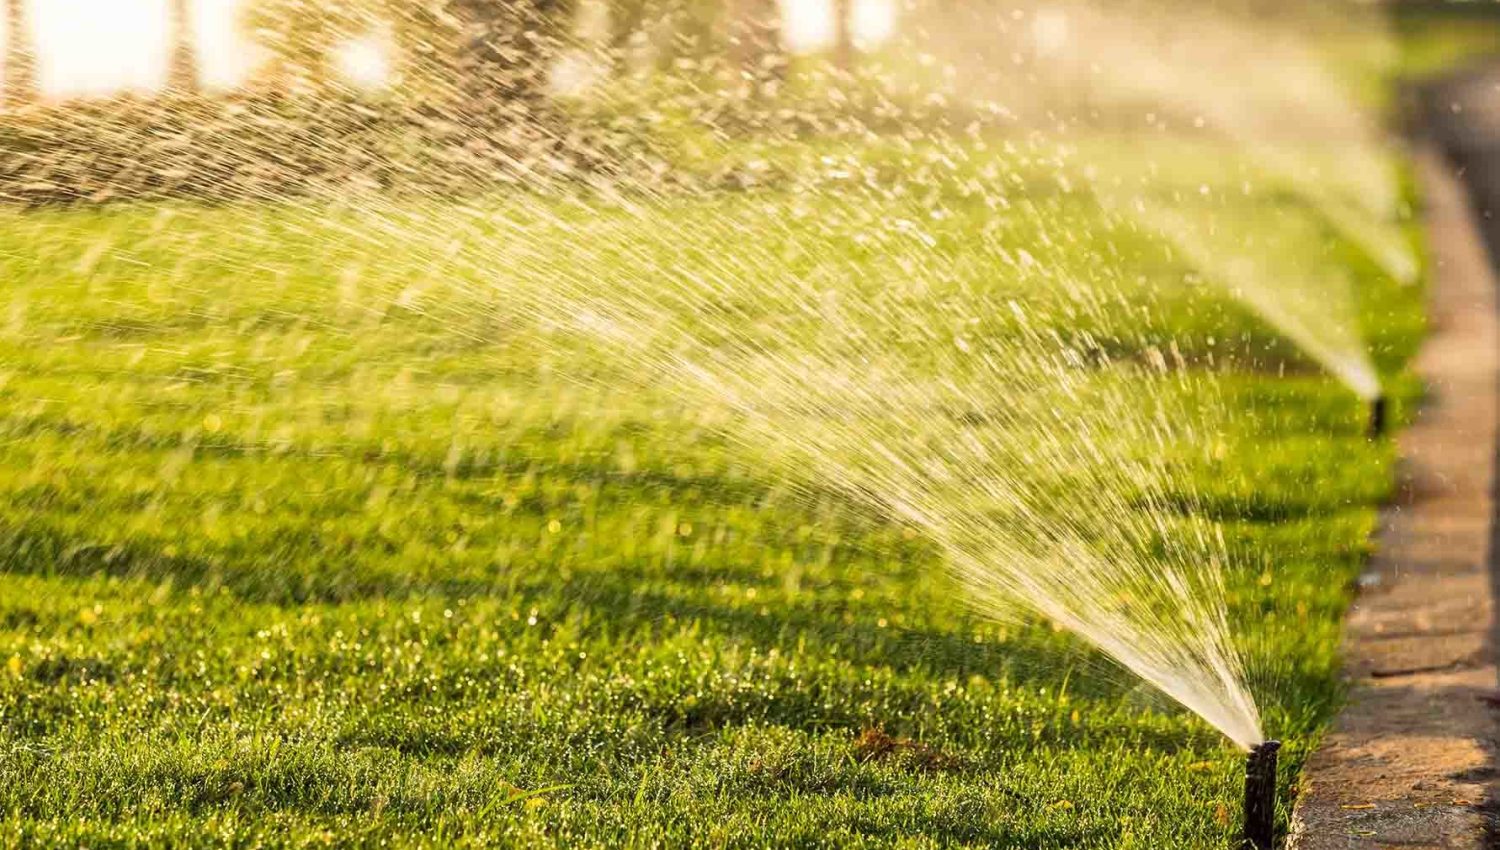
point(298, 548)
point(1439, 38)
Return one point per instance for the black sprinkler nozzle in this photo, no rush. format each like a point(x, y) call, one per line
point(1260, 796)
point(1379, 413)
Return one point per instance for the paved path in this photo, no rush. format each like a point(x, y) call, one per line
point(1410, 762)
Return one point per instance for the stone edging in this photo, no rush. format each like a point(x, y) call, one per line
point(1410, 760)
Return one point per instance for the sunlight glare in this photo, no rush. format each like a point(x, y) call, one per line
point(809, 23)
point(365, 61)
point(99, 46)
point(94, 47)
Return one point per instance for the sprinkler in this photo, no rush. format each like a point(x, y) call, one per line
point(1260, 796)
point(1378, 412)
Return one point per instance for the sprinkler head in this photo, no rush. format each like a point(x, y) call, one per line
point(1378, 416)
point(1260, 796)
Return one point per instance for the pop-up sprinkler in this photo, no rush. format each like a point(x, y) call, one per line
point(1260, 796)
point(1378, 416)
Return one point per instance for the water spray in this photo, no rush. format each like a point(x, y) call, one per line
point(1260, 796)
point(1379, 415)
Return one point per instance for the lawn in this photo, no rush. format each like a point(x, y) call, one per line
point(391, 520)
point(1438, 38)
point(304, 542)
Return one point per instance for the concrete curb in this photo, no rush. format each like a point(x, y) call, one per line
point(1410, 760)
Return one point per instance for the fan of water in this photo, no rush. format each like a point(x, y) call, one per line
point(1047, 471)
point(1188, 71)
point(959, 386)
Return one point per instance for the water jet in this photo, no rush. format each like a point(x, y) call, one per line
point(1260, 796)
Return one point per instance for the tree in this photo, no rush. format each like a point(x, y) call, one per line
point(626, 19)
point(506, 48)
point(300, 37)
point(182, 64)
point(474, 54)
point(843, 34)
point(20, 60)
point(756, 39)
point(678, 30)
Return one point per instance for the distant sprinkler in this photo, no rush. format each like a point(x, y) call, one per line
point(1379, 414)
point(1260, 796)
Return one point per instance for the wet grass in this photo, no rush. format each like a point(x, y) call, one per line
point(296, 549)
point(1442, 38)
